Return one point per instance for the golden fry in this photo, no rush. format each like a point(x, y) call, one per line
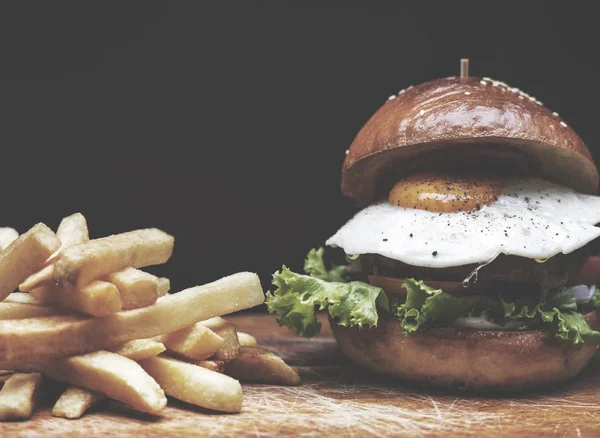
point(114, 375)
point(5, 375)
point(56, 336)
point(99, 298)
point(83, 263)
point(25, 255)
point(255, 364)
point(42, 277)
point(71, 231)
point(218, 366)
point(75, 401)
point(7, 235)
point(196, 385)
point(231, 345)
point(164, 285)
point(195, 342)
point(22, 298)
point(22, 311)
point(137, 288)
point(18, 397)
point(140, 349)
point(246, 340)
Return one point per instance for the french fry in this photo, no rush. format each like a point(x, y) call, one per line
point(72, 230)
point(164, 285)
point(246, 340)
point(99, 298)
point(140, 349)
point(255, 364)
point(196, 385)
point(218, 366)
point(116, 376)
point(41, 277)
point(59, 336)
point(80, 264)
point(20, 305)
point(196, 342)
point(22, 311)
point(26, 254)
point(137, 288)
point(18, 397)
point(7, 235)
point(75, 401)
point(22, 298)
point(231, 345)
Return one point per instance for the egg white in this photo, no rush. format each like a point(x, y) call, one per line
point(531, 218)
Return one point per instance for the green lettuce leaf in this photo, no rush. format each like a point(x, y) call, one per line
point(560, 309)
point(315, 267)
point(297, 298)
point(426, 305)
point(595, 301)
point(572, 326)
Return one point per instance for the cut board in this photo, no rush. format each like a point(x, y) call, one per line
point(337, 399)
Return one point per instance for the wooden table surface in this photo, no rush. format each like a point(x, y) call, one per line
point(337, 399)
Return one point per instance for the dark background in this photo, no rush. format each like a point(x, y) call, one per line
point(226, 123)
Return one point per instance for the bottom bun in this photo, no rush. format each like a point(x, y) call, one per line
point(477, 360)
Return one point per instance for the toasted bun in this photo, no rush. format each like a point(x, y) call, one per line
point(476, 360)
point(450, 122)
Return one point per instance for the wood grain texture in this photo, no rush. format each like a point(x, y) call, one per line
point(337, 399)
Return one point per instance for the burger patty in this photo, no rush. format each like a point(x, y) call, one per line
point(513, 270)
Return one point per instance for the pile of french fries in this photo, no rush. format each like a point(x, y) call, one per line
point(87, 316)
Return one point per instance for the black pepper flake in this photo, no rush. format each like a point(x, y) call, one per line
point(385, 240)
point(434, 253)
point(411, 235)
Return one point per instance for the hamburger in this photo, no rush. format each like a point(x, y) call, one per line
point(465, 261)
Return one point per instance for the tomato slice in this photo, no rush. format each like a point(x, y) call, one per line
point(589, 273)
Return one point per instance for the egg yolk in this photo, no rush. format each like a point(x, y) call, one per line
point(445, 194)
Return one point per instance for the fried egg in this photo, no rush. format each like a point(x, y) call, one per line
point(531, 218)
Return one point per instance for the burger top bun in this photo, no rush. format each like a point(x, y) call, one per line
point(454, 123)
